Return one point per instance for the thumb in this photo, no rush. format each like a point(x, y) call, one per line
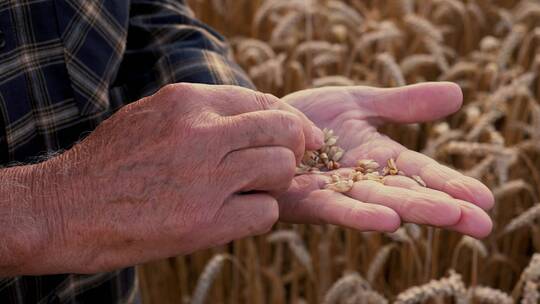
point(414, 103)
point(314, 135)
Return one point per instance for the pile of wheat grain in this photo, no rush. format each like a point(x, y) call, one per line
point(491, 48)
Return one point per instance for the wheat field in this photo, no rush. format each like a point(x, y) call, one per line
point(491, 48)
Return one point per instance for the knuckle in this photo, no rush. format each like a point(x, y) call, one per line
point(292, 124)
point(288, 161)
point(174, 88)
point(269, 218)
point(264, 100)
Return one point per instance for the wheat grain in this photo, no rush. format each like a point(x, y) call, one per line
point(419, 180)
point(367, 166)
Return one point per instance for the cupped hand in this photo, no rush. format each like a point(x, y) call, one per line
point(450, 200)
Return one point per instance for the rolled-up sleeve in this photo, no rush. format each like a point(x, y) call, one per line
point(167, 44)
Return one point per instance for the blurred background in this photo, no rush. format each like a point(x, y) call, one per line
point(491, 48)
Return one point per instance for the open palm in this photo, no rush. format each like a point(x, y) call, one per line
point(450, 200)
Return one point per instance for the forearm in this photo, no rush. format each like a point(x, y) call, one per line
point(30, 202)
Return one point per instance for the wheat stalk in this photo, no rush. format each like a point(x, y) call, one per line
point(414, 62)
point(458, 70)
point(392, 68)
point(286, 26)
point(378, 262)
point(509, 45)
point(296, 244)
point(366, 297)
point(526, 218)
point(208, 276)
point(513, 187)
point(474, 244)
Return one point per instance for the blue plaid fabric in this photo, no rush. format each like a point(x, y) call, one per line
point(65, 66)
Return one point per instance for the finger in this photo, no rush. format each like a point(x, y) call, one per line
point(246, 215)
point(474, 221)
point(266, 128)
point(329, 207)
point(268, 169)
point(233, 101)
point(411, 184)
point(442, 178)
point(410, 104)
point(412, 206)
point(313, 134)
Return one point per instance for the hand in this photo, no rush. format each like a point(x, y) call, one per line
point(190, 167)
point(451, 199)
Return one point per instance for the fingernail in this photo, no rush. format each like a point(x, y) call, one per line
point(318, 136)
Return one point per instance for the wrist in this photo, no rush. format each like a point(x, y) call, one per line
point(57, 188)
point(32, 217)
point(22, 232)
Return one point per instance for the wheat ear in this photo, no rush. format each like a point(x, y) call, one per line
point(489, 295)
point(296, 244)
point(530, 293)
point(451, 286)
point(345, 287)
point(423, 27)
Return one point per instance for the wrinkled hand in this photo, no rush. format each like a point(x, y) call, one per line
point(451, 200)
point(191, 167)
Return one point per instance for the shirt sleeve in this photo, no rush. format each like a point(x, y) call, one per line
point(167, 44)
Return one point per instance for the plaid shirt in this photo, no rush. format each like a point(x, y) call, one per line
point(66, 65)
